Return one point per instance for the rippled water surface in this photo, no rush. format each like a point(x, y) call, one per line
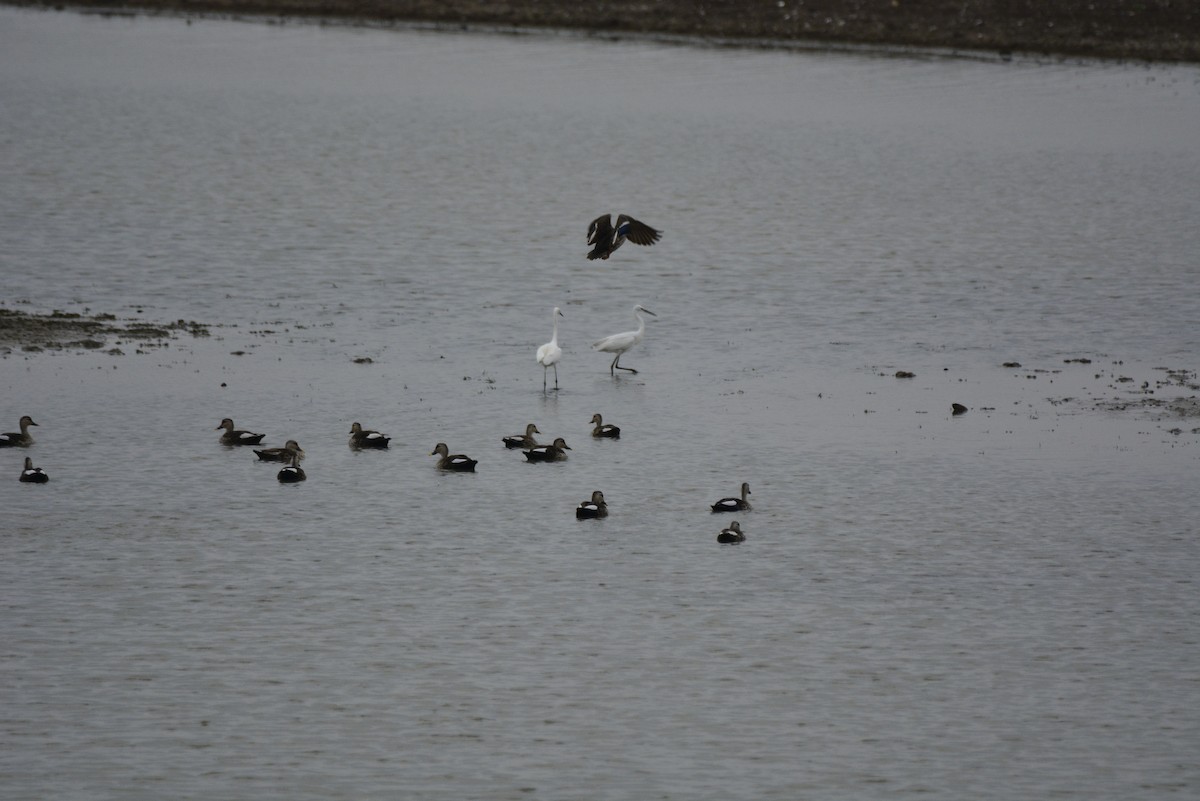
point(377, 225)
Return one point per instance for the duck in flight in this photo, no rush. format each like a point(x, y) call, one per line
point(605, 238)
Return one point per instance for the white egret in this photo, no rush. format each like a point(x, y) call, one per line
point(619, 343)
point(606, 239)
point(549, 354)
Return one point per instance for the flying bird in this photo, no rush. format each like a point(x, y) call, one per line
point(619, 343)
point(605, 239)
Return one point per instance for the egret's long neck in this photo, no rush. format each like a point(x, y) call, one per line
point(554, 338)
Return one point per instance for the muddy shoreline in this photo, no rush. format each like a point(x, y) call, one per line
point(31, 332)
point(1143, 30)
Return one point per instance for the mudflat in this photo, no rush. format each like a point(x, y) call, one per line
point(1152, 30)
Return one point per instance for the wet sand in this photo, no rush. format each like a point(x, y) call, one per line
point(32, 332)
point(1152, 30)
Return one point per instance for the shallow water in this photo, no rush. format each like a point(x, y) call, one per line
point(994, 605)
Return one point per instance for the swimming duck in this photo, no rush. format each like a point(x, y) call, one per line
point(366, 438)
point(293, 472)
point(731, 535)
point(33, 475)
point(283, 454)
point(594, 508)
point(603, 430)
point(12, 439)
point(607, 239)
point(232, 437)
point(525, 440)
point(549, 453)
point(457, 461)
point(734, 504)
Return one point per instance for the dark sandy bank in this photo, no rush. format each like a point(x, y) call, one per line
point(1153, 30)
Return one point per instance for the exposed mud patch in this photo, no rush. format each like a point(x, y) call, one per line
point(31, 332)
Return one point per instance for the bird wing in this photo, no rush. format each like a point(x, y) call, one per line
point(600, 230)
point(639, 233)
point(548, 354)
point(614, 342)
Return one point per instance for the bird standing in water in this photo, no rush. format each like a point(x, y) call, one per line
point(619, 343)
point(549, 354)
point(605, 238)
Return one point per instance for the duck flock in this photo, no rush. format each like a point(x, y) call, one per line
point(605, 238)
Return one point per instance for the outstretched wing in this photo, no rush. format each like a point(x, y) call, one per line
point(638, 233)
point(600, 231)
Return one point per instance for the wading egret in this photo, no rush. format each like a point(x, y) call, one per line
point(232, 437)
point(596, 507)
point(605, 238)
point(731, 534)
point(549, 354)
point(293, 472)
point(549, 453)
point(525, 440)
point(619, 343)
point(33, 475)
point(457, 461)
point(366, 438)
point(22, 440)
point(283, 454)
point(734, 504)
point(603, 430)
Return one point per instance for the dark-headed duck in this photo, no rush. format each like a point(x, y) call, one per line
point(525, 440)
point(732, 534)
point(33, 475)
point(549, 453)
point(596, 507)
point(234, 437)
point(455, 461)
point(734, 504)
point(293, 472)
point(366, 438)
point(283, 454)
point(12, 439)
point(602, 429)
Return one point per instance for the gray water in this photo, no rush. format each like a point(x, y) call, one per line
point(994, 605)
